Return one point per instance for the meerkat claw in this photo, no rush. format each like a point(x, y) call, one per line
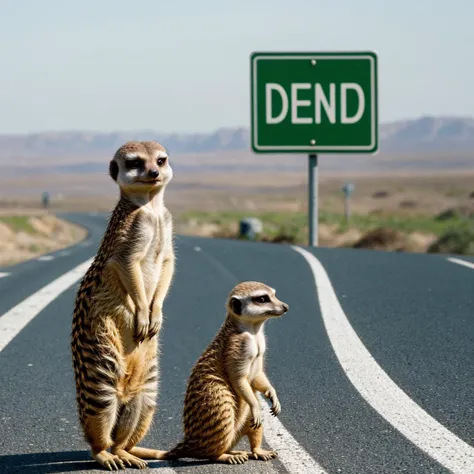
point(141, 330)
point(111, 462)
point(130, 459)
point(263, 454)
point(256, 425)
point(275, 410)
point(153, 331)
point(238, 459)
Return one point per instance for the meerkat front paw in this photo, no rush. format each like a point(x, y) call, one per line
point(156, 317)
point(276, 406)
point(256, 418)
point(142, 323)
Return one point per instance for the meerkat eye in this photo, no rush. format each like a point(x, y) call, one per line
point(133, 164)
point(161, 161)
point(262, 299)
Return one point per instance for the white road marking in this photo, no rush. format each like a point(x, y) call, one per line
point(45, 258)
point(14, 320)
point(462, 262)
point(378, 389)
point(4, 274)
point(291, 454)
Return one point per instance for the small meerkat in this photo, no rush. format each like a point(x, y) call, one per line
point(220, 405)
point(118, 311)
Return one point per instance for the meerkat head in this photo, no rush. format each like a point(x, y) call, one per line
point(254, 301)
point(141, 166)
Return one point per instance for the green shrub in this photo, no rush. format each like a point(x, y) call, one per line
point(18, 223)
point(459, 241)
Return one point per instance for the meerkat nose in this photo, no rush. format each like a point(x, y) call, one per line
point(153, 173)
point(285, 307)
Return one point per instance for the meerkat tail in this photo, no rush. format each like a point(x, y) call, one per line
point(181, 450)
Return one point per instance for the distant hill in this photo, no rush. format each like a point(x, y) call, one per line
point(425, 134)
point(81, 144)
point(428, 134)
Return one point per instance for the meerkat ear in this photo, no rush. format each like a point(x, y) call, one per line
point(236, 305)
point(113, 170)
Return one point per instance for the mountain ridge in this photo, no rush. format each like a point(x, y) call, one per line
point(423, 134)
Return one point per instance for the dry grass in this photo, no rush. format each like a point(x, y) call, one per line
point(29, 233)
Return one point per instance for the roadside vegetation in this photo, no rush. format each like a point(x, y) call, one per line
point(407, 212)
point(28, 235)
point(18, 223)
point(448, 232)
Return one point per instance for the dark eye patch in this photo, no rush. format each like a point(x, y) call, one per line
point(161, 161)
point(261, 299)
point(134, 163)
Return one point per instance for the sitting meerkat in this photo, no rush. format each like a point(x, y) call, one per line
point(221, 405)
point(118, 311)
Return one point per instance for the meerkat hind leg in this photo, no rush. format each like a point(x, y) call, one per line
point(255, 438)
point(141, 430)
point(127, 421)
point(238, 451)
point(98, 430)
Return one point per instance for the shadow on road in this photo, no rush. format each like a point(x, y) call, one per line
point(66, 461)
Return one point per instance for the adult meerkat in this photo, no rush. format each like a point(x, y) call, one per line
point(118, 311)
point(221, 405)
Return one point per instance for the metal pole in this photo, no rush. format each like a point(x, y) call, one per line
point(313, 200)
point(347, 209)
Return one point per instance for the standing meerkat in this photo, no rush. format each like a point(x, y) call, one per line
point(221, 405)
point(118, 311)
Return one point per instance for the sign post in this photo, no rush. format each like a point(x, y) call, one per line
point(311, 103)
point(45, 199)
point(347, 189)
point(313, 200)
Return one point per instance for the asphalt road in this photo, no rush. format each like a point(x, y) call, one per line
point(372, 363)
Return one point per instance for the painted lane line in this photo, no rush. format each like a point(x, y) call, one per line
point(290, 453)
point(14, 320)
point(4, 274)
point(462, 262)
point(378, 389)
point(45, 258)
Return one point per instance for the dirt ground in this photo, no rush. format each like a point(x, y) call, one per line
point(395, 194)
point(399, 193)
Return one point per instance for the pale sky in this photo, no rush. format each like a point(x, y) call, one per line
point(183, 66)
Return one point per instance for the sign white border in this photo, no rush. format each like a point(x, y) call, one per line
point(316, 148)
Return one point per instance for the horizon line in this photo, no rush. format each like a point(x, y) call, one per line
point(212, 131)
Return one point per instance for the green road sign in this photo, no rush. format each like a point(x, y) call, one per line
point(314, 102)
